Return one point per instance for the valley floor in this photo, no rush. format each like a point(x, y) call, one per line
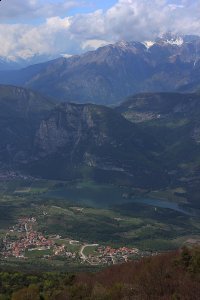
point(80, 225)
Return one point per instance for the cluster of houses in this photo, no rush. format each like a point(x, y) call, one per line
point(10, 175)
point(22, 237)
point(123, 251)
point(117, 255)
point(109, 255)
point(61, 251)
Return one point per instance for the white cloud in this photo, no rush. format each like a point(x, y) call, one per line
point(126, 20)
point(24, 9)
point(25, 41)
point(93, 44)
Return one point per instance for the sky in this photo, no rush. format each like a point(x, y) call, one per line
point(53, 27)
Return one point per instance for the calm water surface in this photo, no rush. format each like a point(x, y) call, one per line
point(107, 196)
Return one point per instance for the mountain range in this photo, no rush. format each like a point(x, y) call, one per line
point(113, 72)
point(151, 140)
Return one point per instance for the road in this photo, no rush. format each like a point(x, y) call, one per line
point(82, 255)
point(73, 242)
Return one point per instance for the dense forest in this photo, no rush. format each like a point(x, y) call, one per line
point(174, 275)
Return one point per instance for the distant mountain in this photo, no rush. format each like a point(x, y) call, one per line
point(113, 72)
point(71, 141)
point(6, 64)
point(17, 63)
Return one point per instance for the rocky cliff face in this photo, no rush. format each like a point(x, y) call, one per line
point(70, 141)
point(99, 139)
point(70, 125)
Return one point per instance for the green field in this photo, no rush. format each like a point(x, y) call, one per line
point(38, 253)
point(90, 250)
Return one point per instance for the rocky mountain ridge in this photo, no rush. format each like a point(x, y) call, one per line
point(113, 72)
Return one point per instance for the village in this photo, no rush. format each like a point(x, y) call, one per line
point(106, 255)
point(23, 241)
point(11, 175)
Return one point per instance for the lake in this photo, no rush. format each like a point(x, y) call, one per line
point(105, 196)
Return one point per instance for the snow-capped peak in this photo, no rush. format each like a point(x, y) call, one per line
point(148, 44)
point(170, 38)
point(65, 55)
point(178, 41)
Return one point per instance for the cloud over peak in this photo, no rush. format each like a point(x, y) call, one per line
point(53, 30)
